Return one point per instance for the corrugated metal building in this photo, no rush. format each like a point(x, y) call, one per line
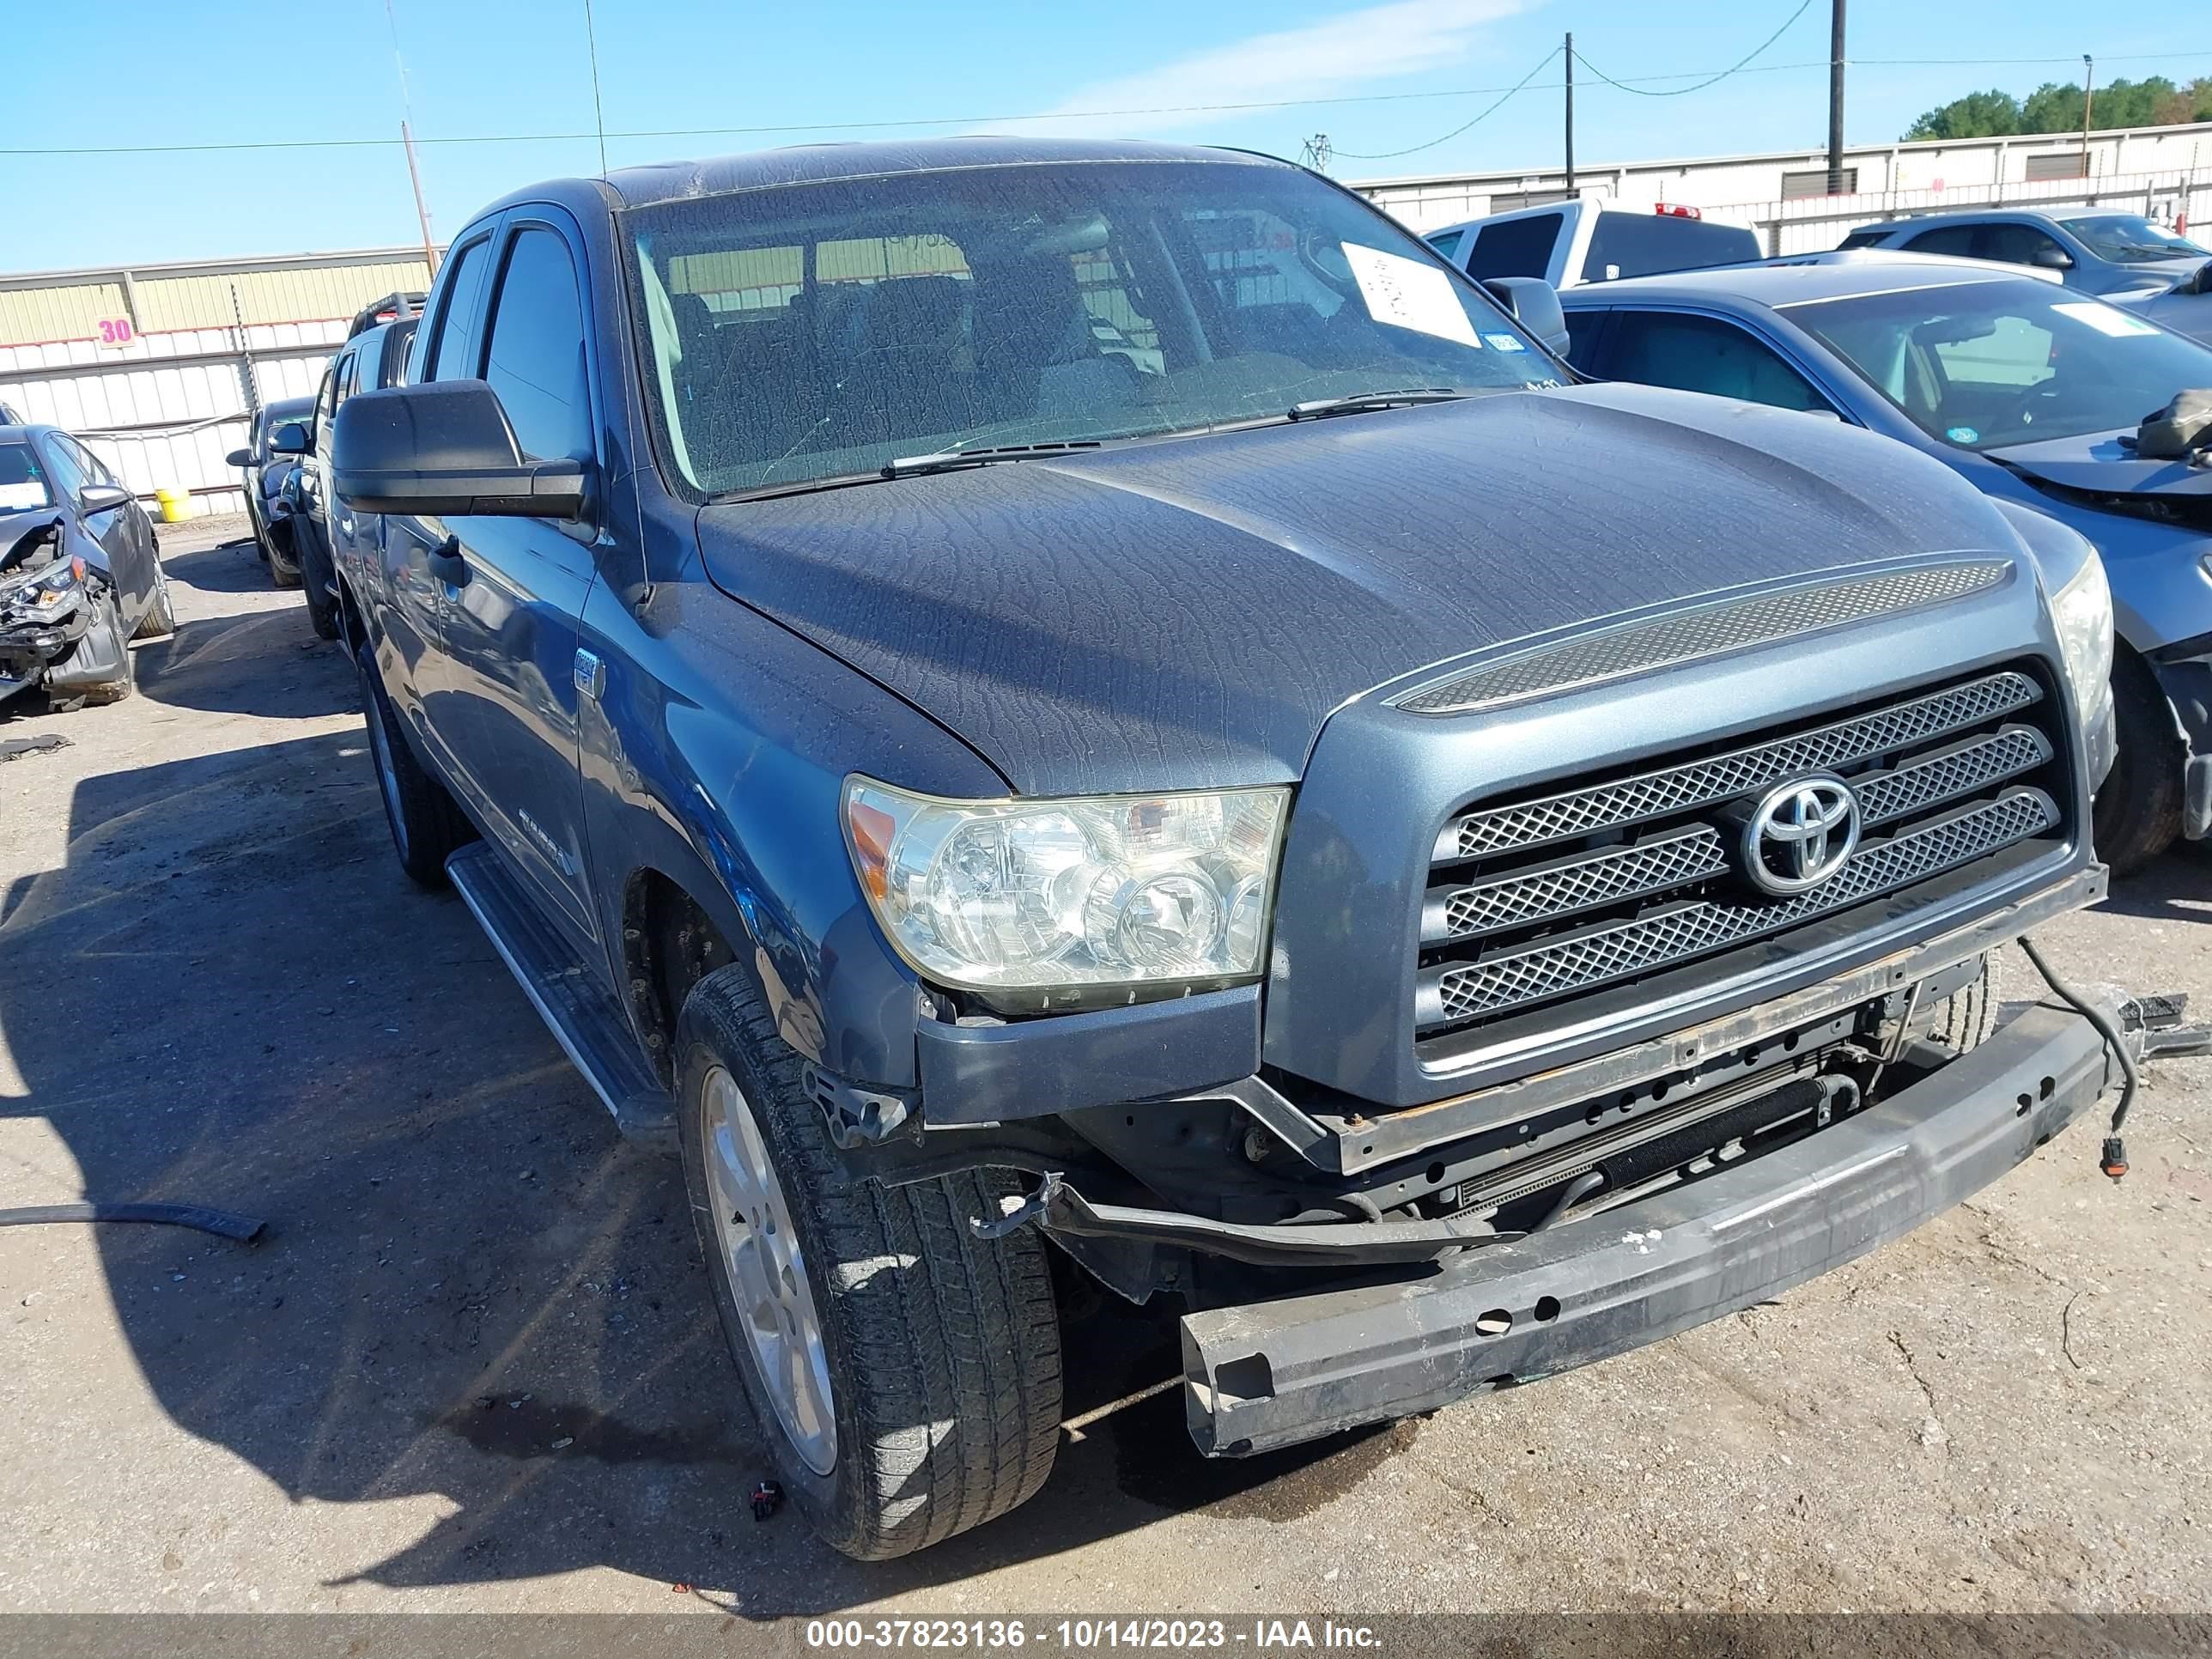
point(160, 368)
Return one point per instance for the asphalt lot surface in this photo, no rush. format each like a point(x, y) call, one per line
point(474, 1365)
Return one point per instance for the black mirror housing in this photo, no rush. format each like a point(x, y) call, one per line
point(290, 437)
point(240, 458)
point(445, 450)
point(2052, 258)
point(1535, 304)
point(103, 498)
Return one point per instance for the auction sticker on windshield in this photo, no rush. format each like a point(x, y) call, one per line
point(1407, 293)
point(15, 497)
point(2104, 319)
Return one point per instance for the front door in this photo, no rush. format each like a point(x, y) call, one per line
point(507, 709)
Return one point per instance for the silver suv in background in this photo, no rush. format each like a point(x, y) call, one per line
point(2125, 257)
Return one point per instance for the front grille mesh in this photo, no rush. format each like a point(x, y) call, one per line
point(1684, 637)
point(1654, 795)
point(1599, 955)
point(1542, 899)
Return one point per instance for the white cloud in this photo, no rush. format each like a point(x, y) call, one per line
point(1320, 60)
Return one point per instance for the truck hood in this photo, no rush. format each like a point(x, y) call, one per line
point(1187, 612)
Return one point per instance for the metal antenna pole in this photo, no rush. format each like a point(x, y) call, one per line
point(1836, 99)
point(1570, 112)
point(2088, 98)
point(422, 212)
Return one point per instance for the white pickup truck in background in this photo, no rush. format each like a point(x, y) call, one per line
point(1592, 240)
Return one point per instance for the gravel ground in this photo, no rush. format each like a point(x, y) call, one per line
point(474, 1366)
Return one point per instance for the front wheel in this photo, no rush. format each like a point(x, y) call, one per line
point(2138, 807)
point(426, 823)
point(160, 615)
point(904, 1373)
point(317, 584)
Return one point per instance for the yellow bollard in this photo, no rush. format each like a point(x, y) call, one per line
point(176, 505)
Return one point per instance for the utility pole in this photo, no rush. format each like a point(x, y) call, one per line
point(1317, 152)
point(1570, 112)
point(2088, 98)
point(421, 213)
point(1836, 98)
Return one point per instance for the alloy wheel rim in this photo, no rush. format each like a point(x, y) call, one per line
point(767, 1271)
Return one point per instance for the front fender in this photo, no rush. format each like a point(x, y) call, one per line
point(716, 755)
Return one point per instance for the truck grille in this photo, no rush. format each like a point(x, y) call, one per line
point(1543, 898)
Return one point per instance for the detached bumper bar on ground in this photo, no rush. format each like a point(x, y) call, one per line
point(1276, 1373)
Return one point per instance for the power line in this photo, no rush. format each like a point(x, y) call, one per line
point(1676, 92)
point(1628, 83)
point(1391, 154)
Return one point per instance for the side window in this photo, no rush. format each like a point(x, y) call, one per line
point(1863, 239)
point(2017, 245)
point(1447, 242)
point(94, 470)
point(1514, 247)
point(1585, 330)
point(1955, 241)
point(453, 344)
point(68, 474)
point(1702, 354)
point(343, 386)
point(392, 368)
point(325, 396)
point(536, 363)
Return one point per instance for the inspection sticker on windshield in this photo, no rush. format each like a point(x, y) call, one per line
point(1407, 293)
point(2103, 318)
point(1505, 341)
point(15, 496)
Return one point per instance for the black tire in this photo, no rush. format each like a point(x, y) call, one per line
point(427, 823)
point(2138, 807)
point(160, 615)
point(317, 580)
point(942, 1349)
point(281, 550)
point(1965, 1019)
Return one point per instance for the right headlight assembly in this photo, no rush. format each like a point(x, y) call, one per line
point(1037, 903)
point(2082, 610)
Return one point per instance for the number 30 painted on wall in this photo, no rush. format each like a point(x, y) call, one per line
point(115, 331)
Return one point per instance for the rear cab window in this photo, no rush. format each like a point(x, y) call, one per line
point(1646, 244)
point(1514, 247)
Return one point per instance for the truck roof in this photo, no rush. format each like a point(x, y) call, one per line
point(1790, 281)
point(667, 181)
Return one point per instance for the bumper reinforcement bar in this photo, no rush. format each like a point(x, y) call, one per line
point(1273, 1373)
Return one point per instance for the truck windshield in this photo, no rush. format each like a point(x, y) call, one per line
point(1983, 365)
point(22, 485)
point(822, 331)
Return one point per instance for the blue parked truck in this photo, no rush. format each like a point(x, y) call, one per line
point(1049, 709)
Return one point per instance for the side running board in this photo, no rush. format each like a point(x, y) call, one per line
point(569, 998)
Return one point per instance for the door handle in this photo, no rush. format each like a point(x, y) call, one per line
point(447, 563)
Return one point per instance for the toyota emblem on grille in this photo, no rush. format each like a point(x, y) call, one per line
point(1800, 834)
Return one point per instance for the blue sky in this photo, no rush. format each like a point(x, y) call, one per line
point(173, 72)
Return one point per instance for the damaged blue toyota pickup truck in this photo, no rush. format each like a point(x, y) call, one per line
point(1067, 708)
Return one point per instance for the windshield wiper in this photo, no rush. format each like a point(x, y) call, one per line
point(1359, 403)
point(907, 466)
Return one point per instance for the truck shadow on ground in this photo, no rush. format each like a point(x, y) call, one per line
point(2176, 887)
point(255, 662)
point(472, 1291)
point(232, 566)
